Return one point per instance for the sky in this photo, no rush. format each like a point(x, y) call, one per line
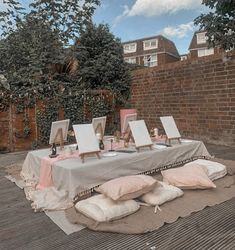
point(135, 19)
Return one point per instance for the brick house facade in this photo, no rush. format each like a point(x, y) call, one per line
point(199, 46)
point(150, 51)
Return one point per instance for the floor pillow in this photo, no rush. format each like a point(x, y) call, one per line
point(215, 170)
point(101, 208)
point(161, 194)
point(193, 176)
point(127, 187)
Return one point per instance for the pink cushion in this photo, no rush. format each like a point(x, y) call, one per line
point(128, 187)
point(188, 177)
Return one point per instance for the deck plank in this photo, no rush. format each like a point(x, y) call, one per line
point(22, 229)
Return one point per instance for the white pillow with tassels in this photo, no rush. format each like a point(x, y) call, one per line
point(215, 170)
point(161, 194)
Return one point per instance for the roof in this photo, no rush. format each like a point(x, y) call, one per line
point(165, 44)
point(193, 43)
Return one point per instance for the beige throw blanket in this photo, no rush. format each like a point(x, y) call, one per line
point(145, 220)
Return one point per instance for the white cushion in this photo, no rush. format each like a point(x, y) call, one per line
point(161, 194)
point(101, 208)
point(215, 170)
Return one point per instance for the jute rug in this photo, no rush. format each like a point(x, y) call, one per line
point(145, 220)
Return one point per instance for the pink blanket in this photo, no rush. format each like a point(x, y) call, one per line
point(45, 178)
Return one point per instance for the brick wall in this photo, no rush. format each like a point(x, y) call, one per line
point(12, 129)
point(199, 94)
point(12, 123)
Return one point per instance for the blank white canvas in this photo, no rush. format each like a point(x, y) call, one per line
point(86, 138)
point(128, 118)
point(170, 127)
point(140, 133)
point(99, 120)
point(64, 124)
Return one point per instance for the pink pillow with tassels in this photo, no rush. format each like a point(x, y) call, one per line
point(188, 177)
point(128, 187)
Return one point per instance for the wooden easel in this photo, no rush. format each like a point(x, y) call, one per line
point(127, 136)
point(59, 138)
point(170, 139)
point(97, 153)
point(99, 129)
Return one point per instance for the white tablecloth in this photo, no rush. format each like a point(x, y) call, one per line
point(73, 176)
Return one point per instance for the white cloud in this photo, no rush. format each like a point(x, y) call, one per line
point(2, 5)
point(179, 31)
point(159, 7)
point(119, 18)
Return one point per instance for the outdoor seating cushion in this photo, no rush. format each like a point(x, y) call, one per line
point(188, 177)
point(215, 170)
point(161, 194)
point(128, 187)
point(101, 208)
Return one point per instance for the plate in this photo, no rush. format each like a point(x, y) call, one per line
point(159, 146)
point(109, 154)
point(186, 140)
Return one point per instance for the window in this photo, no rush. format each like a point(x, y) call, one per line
point(150, 60)
point(130, 60)
point(183, 57)
point(129, 48)
point(205, 52)
point(201, 38)
point(150, 44)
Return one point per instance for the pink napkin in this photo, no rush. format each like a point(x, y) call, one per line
point(45, 178)
point(123, 113)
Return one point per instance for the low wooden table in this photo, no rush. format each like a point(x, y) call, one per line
point(74, 176)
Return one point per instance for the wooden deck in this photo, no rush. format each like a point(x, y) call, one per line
point(21, 228)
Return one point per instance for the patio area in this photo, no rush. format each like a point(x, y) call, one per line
point(21, 228)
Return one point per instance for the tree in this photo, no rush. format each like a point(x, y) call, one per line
point(219, 23)
point(101, 62)
point(69, 17)
point(32, 42)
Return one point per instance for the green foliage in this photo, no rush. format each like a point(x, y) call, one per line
point(74, 108)
point(100, 56)
point(34, 45)
point(26, 132)
point(219, 23)
point(69, 17)
point(44, 120)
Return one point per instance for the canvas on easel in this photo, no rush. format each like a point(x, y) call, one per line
point(99, 125)
point(59, 132)
point(170, 128)
point(140, 134)
point(86, 140)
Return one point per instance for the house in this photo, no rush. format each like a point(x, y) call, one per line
point(150, 51)
point(184, 57)
point(199, 46)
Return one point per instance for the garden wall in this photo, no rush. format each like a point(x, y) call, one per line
point(199, 94)
point(30, 128)
point(12, 125)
